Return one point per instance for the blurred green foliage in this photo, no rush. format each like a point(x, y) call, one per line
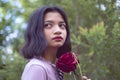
point(95, 35)
point(99, 54)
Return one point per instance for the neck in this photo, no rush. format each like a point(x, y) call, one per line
point(50, 54)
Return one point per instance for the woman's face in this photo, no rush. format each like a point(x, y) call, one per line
point(54, 29)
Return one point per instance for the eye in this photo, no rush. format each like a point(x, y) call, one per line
point(62, 25)
point(47, 25)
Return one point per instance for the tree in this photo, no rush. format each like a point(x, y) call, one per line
point(99, 61)
point(9, 12)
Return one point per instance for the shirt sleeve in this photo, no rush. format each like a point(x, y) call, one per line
point(36, 72)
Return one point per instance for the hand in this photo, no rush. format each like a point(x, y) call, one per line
point(85, 78)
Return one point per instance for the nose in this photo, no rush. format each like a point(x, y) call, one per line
point(57, 30)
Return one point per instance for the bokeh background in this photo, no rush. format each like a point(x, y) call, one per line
point(95, 35)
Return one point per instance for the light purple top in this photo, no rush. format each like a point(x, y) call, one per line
point(39, 69)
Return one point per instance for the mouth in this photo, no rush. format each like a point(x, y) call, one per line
point(58, 38)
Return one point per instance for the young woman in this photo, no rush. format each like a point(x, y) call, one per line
point(47, 37)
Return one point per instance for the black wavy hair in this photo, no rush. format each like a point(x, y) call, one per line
point(35, 42)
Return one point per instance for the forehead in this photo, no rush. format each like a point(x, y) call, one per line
point(53, 15)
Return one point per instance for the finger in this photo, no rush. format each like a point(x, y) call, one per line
point(84, 78)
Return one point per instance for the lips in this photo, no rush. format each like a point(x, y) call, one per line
point(58, 38)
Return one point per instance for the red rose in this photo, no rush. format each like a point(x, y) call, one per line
point(67, 62)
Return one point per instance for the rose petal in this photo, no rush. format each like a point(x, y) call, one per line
point(67, 62)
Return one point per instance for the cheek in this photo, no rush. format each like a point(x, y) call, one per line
point(65, 34)
point(46, 35)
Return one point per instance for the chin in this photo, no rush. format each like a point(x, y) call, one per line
point(58, 45)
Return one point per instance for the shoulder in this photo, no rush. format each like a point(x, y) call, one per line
point(33, 70)
point(35, 63)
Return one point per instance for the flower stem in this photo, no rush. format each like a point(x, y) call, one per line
point(80, 70)
point(74, 77)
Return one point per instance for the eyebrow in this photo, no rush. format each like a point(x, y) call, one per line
point(53, 22)
point(49, 21)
